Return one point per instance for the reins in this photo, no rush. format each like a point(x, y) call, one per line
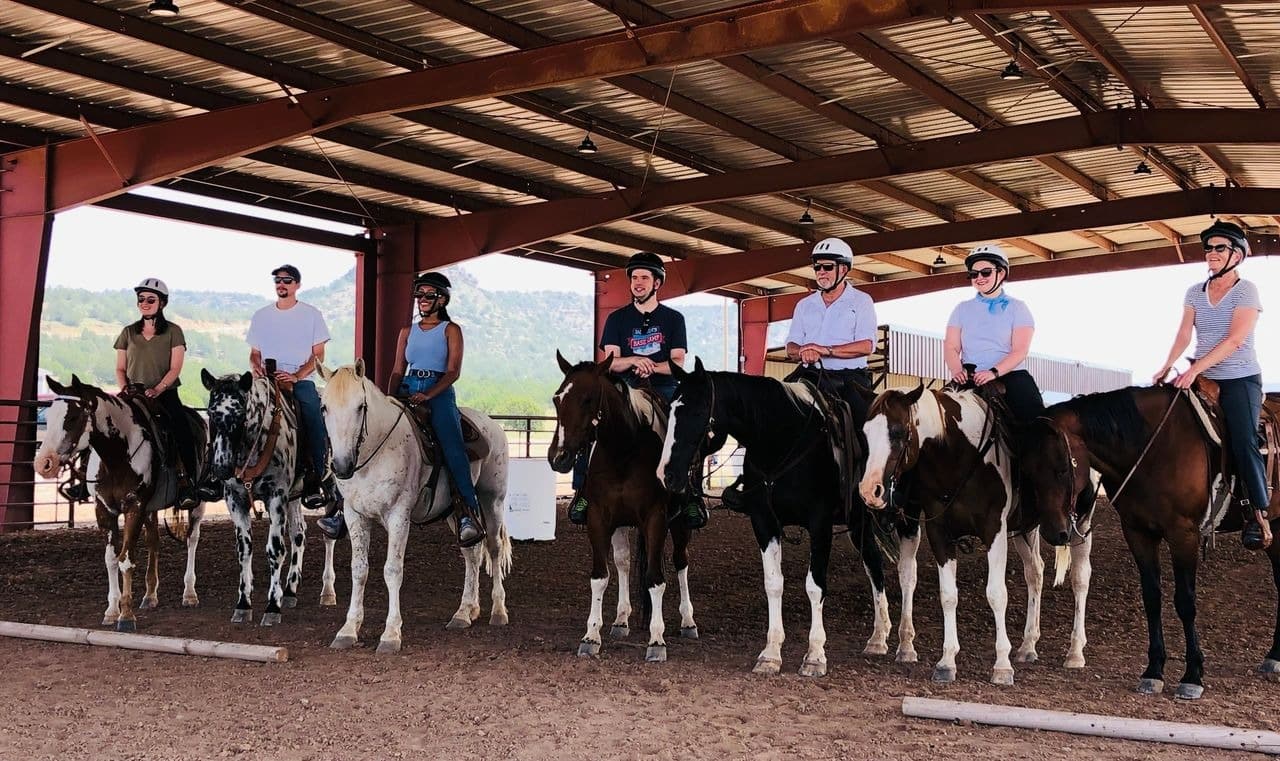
point(247, 474)
point(1177, 394)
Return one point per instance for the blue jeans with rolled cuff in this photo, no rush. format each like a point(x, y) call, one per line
point(446, 421)
point(1241, 400)
point(304, 391)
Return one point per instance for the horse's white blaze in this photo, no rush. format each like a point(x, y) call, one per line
point(771, 561)
point(877, 432)
point(907, 549)
point(668, 441)
point(563, 392)
point(48, 460)
point(657, 627)
point(817, 632)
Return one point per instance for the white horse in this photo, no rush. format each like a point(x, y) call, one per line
point(379, 457)
point(122, 478)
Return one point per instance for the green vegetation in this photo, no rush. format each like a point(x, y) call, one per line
point(511, 337)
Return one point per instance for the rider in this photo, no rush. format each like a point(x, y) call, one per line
point(1224, 310)
point(992, 333)
point(149, 355)
point(428, 363)
point(293, 333)
point(644, 338)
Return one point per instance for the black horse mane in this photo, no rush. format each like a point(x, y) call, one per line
point(1109, 416)
point(757, 402)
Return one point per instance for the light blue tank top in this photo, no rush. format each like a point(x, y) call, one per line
point(427, 349)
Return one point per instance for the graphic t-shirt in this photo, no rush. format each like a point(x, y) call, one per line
point(651, 335)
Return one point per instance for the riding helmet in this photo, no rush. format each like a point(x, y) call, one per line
point(1231, 232)
point(436, 280)
point(987, 252)
point(645, 260)
point(833, 250)
point(153, 285)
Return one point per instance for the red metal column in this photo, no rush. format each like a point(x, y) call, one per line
point(612, 291)
point(390, 310)
point(366, 317)
point(25, 226)
point(753, 326)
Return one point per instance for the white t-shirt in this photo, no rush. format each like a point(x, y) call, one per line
point(850, 318)
point(287, 335)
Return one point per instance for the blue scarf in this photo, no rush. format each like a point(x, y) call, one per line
point(996, 305)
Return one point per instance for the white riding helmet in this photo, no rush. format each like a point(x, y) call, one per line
point(834, 250)
point(154, 285)
point(987, 252)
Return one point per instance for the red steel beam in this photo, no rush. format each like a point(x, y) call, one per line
point(1215, 36)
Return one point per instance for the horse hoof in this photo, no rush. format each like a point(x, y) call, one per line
point(388, 647)
point(875, 649)
point(907, 656)
point(458, 622)
point(689, 632)
point(240, 615)
point(1189, 691)
point(944, 674)
point(656, 654)
point(328, 601)
point(620, 631)
point(343, 643)
point(1150, 686)
point(1002, 677)
point(1031, 656)
point(289, 601)
point(498, 619)
point(589, 649)
point(191, 602)
point(270, 619)
point(1270, 669)
point(126, 625)
point(767, 666)
point(813, 668)
point(148, 604)
point(1074, 662)
point(109, 620)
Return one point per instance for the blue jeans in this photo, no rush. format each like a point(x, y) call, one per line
point(667, 390)
point(312, 421)
point(1241, 400)
point(446, 421)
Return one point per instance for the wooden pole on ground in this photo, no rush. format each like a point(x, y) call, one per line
point(152, 643)
point(1200, 735)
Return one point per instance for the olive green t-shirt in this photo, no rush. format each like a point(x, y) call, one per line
point(147, 362)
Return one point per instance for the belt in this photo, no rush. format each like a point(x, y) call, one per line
point(422, 373)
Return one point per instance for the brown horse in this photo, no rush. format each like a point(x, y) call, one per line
point(623, 429)
point(1150, 441)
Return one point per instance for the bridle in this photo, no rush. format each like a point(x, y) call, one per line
point(363, 433)
point(1071, 506)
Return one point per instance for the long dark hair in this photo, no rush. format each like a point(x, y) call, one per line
point(162, 324)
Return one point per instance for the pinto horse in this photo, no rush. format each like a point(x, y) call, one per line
point(255, 452)
point(623, 429)
point(124, 476)
point(961, 484)
point(790, 479)
point(1158, 465)
point(386, 477)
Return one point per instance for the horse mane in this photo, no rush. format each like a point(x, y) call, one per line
point(1108, 416)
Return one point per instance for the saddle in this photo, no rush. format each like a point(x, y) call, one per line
point(154, 418)
point(843, 434)
point(476, 444)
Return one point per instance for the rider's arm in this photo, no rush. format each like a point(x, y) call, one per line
point(851, 350)
point(951, 351)
point(397, 370)
point(1243, 321)
point(255, 362)
point(122, 357)
point(176, 356)
point(453, 367)
point(308, 367)
point(1021, 347)
point(1183, 339)
point(620, 363)
point(664, 368)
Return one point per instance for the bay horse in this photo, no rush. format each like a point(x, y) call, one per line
point(1157, 465)
point(126, 478)
point(622, 429)
point(790, 478)
point(254, 453)
point(960, 473)
point(380, 459)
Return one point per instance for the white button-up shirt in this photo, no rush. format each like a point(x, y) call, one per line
point(850, 318)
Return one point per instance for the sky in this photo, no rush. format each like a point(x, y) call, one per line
point(1122, 320)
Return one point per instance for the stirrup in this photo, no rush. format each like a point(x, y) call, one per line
point(475, 526)
point(333, 526)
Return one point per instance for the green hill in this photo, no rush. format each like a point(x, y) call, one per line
point(511, 337)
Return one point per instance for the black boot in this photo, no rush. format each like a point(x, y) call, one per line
point(75, 491)
point(333, 526)
point(209, 489)
point(731, 497)
point(315, 493)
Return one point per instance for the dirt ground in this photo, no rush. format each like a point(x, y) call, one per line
point(521, 692)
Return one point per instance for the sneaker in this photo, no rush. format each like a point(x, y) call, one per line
point(469, 532)
point(578, 510)
point(694, 513)
point(333, 526)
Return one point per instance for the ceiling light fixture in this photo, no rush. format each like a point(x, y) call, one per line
point(938, 261)
point(586, 146)
point(1013, 72)
point(806, 218)
point(165, 8)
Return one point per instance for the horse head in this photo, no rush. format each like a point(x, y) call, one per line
point(690, 425)
point(345, 405)
point(1055, 468)
point(229, 403)
point(69, 423)
point(893, 443)
point(579, 403)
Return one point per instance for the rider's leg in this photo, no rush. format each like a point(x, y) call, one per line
point(447, 422)
point(1241, 400)
point(180, 429)
point(578, 503)
point(317, 442)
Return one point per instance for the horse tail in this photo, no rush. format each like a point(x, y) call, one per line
point(499, 561)
point(1061, 564)
point(177, 527)
point(640, 570)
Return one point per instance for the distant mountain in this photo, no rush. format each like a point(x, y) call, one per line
point(511, 337)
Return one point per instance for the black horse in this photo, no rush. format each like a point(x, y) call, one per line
point(790, 479)
point(1158, 465)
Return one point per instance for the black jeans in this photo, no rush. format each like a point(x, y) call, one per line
point(180, 430)
point(1022, 394)
point(1241, 400)
point(840, 383)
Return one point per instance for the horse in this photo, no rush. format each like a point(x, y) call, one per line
point(125, 477)
point(960, 475)
point(791, 478)
point(623, 429)
point(254, 453)
point(1157, 466)
point(385, 475)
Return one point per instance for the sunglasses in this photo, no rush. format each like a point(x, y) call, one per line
point(1218, 248)
point(285, 281)
point(148, 300)
point(829, 267)
point(426, 295)
point(975, 274)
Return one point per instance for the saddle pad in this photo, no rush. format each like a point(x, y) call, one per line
point(476, 444)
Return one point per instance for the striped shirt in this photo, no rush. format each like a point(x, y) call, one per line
point(1213, 323)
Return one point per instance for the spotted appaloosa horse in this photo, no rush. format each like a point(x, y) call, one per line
point(961, 485)
point(1166, 498)
point(124, 474)
point(255, 441)
point(379, 457)
point(790, 479)
point(623, 429)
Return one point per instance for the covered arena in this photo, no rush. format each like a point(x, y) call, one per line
point(1085, 136)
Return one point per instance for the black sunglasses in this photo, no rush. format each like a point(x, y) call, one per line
point(975, 274)
point(285, 281)
point(828, 267)
point(148, 300)
point(429, 295)
point(1218, 248)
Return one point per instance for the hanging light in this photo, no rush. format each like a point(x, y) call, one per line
point(1013, 72)
point(1142, 168)
point(938, 261)
point(586, 146)
point(806, 218)
point(165, 8)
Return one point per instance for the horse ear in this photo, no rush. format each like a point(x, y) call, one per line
point(207, 378)
point(360, 367)
point(604, 365)
point(678, 372)
point(75, 381)
point(55, 386)
point(246, 381)
point(325, 373)
point(914, 394)
point(697, 365)
point(565, 366)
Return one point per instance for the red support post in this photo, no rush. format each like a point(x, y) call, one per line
point(753, 329)
point(366, 303)
point(613, 291)
point(395, 269)
point(25, 226)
